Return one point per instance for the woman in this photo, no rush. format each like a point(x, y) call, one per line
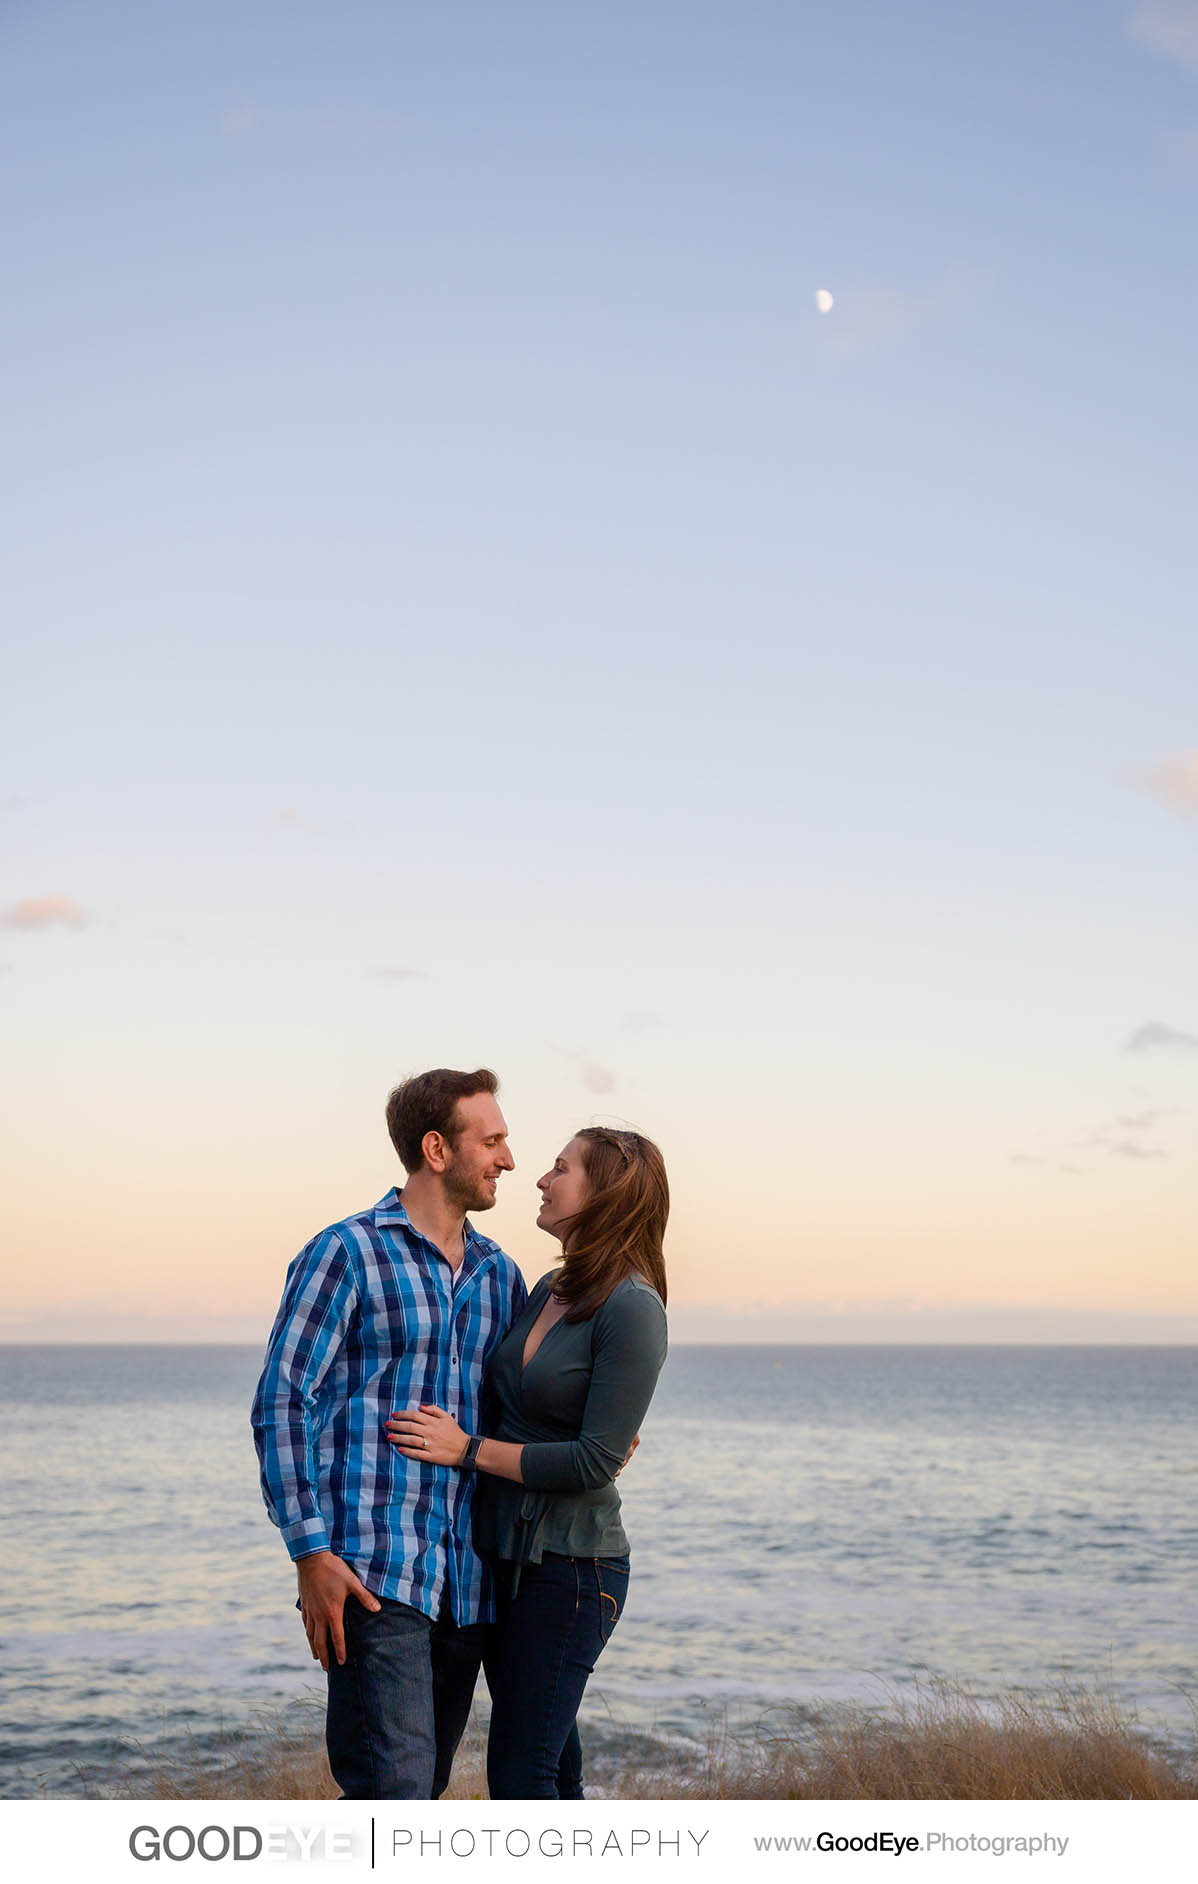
point(567, 1387)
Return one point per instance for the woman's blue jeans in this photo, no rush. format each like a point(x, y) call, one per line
point(553, 1632)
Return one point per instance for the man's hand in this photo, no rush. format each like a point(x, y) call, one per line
point(324, 1583)
point(636, 1440)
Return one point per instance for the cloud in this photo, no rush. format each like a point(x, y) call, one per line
point(293, 820)
point(595, 1078)
point(1046, 1164)
point(1168, 26)
point(245, 121)
point(870, 318)
point(1155, 1037)
point(640, 1020)
point(1089, 1151)
point(302, 822)
point(398, 974)
point(45, 912)
point(356, 123)
point(242, 122)
point(1173, 779)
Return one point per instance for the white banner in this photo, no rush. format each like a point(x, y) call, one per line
point(950, 1843)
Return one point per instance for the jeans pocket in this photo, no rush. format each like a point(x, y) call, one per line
point(611, 1576)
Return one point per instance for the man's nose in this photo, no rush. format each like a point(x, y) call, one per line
point(509, 1163)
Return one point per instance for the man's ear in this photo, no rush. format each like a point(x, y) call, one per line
point(435, 1149)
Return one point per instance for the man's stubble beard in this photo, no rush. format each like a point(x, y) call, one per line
point(466, 1190)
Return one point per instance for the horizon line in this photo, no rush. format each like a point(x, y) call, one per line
point(682, 1341)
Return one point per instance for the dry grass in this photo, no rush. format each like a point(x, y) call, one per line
point(942, 1745)
point(283, 1759)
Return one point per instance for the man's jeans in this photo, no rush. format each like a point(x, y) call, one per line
point(399, 1704)
point(553, 1632)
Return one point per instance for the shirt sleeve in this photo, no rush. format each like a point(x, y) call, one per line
point(319, 1302)
point(519, 1295)
point(628, 1349)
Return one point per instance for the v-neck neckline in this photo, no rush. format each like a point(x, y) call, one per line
point(527, 1359)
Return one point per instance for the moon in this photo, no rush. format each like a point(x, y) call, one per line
point(824, 301)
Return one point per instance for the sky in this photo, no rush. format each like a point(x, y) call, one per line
point(466, 604)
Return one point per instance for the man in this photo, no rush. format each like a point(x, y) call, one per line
point(397, 1307)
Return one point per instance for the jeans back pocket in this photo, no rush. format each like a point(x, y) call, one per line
point(611, 1576)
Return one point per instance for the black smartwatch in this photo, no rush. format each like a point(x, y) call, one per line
point(469, 1459)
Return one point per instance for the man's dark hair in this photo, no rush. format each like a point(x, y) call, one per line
point(427, 1103)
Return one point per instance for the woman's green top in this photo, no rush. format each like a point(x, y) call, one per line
point(575, 1410)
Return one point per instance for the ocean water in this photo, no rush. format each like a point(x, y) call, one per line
point(808, 1525)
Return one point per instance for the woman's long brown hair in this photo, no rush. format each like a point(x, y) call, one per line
point(620, 1229)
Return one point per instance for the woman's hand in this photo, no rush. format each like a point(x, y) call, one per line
point(428, 1433)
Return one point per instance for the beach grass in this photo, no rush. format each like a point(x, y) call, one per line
point(944, 1744)
point(941, 1744)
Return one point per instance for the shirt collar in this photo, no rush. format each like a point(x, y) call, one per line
point(389, 1213)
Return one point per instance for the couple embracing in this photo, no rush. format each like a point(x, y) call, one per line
point(439, 1448)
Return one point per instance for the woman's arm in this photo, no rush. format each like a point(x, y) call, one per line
point(629, 1348)
point(432, 1434)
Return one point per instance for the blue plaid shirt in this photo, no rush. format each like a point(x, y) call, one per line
point(372, 1320)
